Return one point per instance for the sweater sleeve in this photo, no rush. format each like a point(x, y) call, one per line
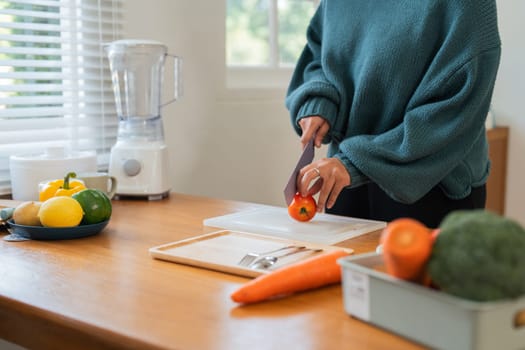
point(310, 92)
point(442, 124)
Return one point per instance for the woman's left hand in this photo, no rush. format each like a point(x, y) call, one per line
point(328, 176)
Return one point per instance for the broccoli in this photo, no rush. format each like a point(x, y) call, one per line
point(479, 255)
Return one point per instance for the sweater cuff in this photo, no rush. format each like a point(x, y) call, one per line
point(318, 106)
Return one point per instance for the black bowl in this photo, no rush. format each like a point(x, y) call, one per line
point(55, 233)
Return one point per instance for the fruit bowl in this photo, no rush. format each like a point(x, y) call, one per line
point(55, 233)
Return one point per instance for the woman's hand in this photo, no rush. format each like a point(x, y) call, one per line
point(313, 125)
point(327, 176)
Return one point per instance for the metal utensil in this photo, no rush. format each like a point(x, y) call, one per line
point(250, 257)
point(269, 260)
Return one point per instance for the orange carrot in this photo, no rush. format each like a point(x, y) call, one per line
point(314, 272)
point(407, 245)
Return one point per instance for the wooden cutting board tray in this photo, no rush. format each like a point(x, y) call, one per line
point(222, 250)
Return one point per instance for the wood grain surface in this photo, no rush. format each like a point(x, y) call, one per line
point(107, 292)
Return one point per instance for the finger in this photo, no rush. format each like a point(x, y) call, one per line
point(307, 132)
point(306, 176)
point(306, 137)
point(310, 127)
point(328, 184)
point(321, 133)
point(336, 190)
point(316, 187)
point(304, 141)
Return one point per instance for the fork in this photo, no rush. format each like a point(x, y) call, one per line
point(250, 257)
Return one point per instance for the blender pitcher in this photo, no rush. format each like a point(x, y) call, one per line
point(139, 158)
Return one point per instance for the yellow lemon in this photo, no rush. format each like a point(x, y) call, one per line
point(60, 211)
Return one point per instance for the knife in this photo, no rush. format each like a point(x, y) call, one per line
point(306, 158)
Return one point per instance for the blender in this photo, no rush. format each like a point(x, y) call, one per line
point(139, 159)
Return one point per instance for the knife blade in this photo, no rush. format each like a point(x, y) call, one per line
point(306, 158)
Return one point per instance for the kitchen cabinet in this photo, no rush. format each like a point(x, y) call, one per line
point(498, 138)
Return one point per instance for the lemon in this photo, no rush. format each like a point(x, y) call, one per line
point(60, 211)
point(26, 213)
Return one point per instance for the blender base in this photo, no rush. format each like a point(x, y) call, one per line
point(141, 170)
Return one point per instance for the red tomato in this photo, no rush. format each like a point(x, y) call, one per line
point(302, 208)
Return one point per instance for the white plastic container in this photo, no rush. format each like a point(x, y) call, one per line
point(27, 171)
point(427, 316)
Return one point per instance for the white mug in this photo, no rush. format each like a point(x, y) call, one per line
point(100, 181)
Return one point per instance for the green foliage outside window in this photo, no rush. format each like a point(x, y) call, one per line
point(20, 57)
point(248, 31)
point(293, 21)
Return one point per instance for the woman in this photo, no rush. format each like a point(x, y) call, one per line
point(400, 90)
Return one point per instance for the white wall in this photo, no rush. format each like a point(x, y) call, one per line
point(221, 146)
point(241, 146)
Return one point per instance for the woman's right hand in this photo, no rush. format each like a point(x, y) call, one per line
point(313, 125)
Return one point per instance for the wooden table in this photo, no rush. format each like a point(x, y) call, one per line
point(106, 292)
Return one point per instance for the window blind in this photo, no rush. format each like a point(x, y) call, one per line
point(55, 85)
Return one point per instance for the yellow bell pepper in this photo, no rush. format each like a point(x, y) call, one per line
point(61, 187)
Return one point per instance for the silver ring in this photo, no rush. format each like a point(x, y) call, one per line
point(317, 171)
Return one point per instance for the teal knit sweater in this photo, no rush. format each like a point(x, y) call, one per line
point(405, 86)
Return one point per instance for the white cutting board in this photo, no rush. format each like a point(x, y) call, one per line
point(275, 221)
